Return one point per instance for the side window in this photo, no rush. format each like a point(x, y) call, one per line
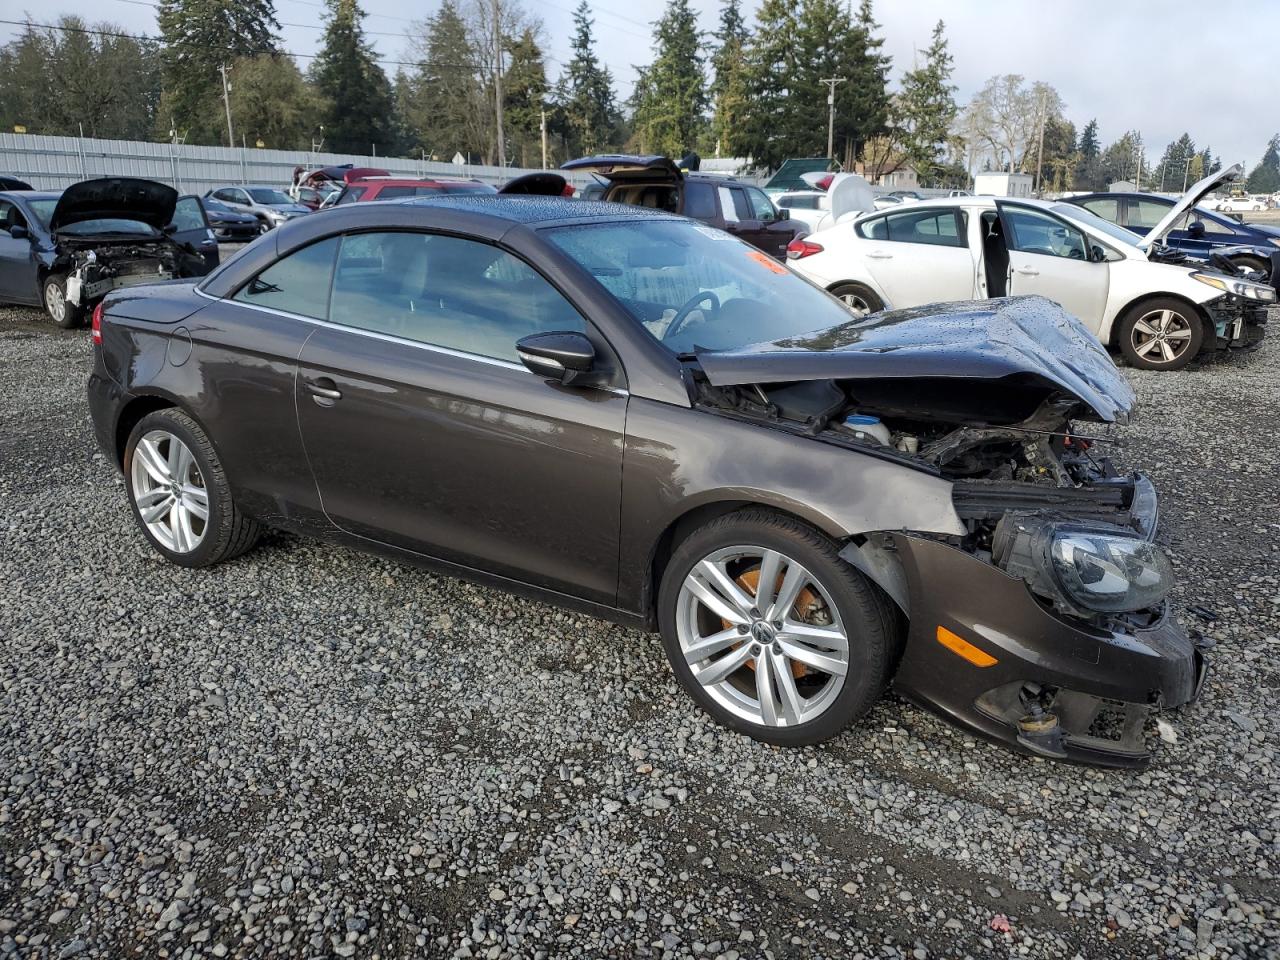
point(1146, 213)
point(1107, 209)
point(727, 206)
point(350, 195)
point(762, 207)
point(699, 201)
point(10, 216)
point(937, 227)
point(741, 206)
point(297, 284)
point(220, 194)
point(445, 291)
point(1035, 232)
point(876, 229)
point(188, 215)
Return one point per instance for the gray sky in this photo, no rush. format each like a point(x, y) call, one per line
point(1132, 65)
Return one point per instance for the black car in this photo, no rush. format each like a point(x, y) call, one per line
point(625, 412)
point(66, 251)
point(229, 226)
point(659, 183)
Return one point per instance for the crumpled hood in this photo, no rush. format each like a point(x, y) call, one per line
point(115, 198)
point(1026, 340)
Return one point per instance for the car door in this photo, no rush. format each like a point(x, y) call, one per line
point(18, 268)
point(775, 230)
point(920, 256)
point(1050, 257)
point(191, 229)
point(739, 218)
point(426, 433)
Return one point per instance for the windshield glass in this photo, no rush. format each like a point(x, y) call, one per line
point(267, 195)
point(1088, 217)
point(694, 287)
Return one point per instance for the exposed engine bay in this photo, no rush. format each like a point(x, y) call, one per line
point(95, 269)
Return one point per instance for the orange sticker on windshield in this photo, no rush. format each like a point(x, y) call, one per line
point(766, 261)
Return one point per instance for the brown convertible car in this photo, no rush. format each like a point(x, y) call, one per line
point(639, 416)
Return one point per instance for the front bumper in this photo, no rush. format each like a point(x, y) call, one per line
point(1097, 686)
point(1238, 324)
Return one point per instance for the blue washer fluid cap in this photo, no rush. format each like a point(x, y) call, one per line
point(861, 420)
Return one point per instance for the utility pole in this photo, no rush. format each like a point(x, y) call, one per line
point(543, 127)
point(1040, 148)
point(497, 79)
point(831, 83)
point(226, 102)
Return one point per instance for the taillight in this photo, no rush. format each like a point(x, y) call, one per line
point(798, 249)
point(96, 326)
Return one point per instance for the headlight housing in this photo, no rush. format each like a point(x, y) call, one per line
point(1083, 569)
point(1241, 288)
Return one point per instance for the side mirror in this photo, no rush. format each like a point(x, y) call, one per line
point(565, 357)
point(1097, 254)
point(784, 213)
point(19, 232)
point(1196, 229)
point(169, 229)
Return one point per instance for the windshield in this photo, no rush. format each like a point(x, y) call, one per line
point(267, 195)
point(1091, 219)
point(694, 287)
point(43, 210)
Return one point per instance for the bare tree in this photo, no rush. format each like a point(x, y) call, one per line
point(1004, 118)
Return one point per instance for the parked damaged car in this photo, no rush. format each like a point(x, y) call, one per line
point(1159, 309)
point(67, 251)
point(808, 506)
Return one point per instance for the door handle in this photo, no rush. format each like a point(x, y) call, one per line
point(879, 255)
point(323, 389)
point(1026, 271)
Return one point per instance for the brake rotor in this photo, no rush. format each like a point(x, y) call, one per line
point(806, 602)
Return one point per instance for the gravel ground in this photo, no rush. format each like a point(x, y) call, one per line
point(312, 752)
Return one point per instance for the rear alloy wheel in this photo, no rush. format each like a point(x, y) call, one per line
point(771, 632)
point(179, 493)
point(858, 299)
point(54, 293)
point(1160, 334)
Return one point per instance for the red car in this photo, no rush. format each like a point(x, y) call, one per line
point(397, 188)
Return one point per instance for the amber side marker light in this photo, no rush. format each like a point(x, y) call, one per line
point(963, 648)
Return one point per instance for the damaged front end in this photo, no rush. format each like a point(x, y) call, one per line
point(1045, 624)
point(95, 266)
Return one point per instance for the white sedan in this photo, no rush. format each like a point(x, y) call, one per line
point(1160, 314)
point(1241, 205)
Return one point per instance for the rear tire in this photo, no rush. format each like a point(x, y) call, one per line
point(53, 293)
point(1160, 334)
point(173, 475)
point(794, 665)
point(858, 298)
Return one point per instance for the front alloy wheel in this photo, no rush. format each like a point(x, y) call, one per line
point(169, 492)
point(61, 312)
point(1160, 335)
point(770, 632)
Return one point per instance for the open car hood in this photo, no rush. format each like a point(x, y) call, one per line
point(115, 198)
point(1198, 192)
point(12, 183)
point(1025, 343)
point(621, 166)
point(542, 183)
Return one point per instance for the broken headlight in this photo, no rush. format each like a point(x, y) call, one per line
point(1083, 569)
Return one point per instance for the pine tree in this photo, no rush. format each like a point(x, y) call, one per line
point(862, 104)
point(441, 99)
point(1265, 177)
point(589, 114)
point(728, 87)
point(1086, 169)
point(272, 102)
point(1175, 165)
point(357, 99)
point(1209, 163)
point(671, 96)
point(198, 36)
point(524, 91)
point(927, 108)
point(766, 134)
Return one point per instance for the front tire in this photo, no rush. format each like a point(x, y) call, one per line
point(53, 293)
point(1160, 334)
point(770, 632)
point(179, 493)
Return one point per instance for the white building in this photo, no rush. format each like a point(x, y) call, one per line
point(992, 184)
